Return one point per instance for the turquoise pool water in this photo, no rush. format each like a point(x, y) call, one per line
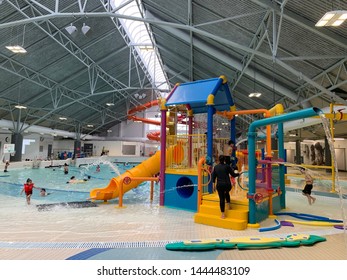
point(54, 181)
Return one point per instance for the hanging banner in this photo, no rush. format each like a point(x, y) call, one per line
point(9, 148)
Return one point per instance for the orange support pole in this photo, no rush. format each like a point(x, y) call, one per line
point(152, 189)
point(200, 175)
point(270, 203)
point(129, 179)
point(120, 201)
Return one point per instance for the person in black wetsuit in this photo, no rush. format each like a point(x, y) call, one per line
point(221, 173)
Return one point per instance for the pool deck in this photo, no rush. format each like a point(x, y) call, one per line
point(141, 231)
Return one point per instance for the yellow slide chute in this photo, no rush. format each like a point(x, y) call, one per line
point(148, 168)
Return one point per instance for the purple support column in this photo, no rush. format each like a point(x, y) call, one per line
point(268, 177)
point(162, 153)
point(190, 142)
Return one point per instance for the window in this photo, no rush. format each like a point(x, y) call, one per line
point(142, 40)
point(129, 150)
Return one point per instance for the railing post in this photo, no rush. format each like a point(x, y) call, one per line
point(120, 201)
point(152, 189)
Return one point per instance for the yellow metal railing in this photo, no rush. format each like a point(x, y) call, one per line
point(189, 148)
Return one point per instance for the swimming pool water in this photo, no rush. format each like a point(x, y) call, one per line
point(55, 182)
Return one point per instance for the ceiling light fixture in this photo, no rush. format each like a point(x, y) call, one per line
point(20, 107)
point(332, 18)
point(85, 29)
point(111, 102)
point(146, 48)
point(140, 96)
point(16, 49)
point(71, 29)
point(254, 93)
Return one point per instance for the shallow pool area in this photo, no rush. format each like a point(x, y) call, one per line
point(140, 229)
point(55, 182)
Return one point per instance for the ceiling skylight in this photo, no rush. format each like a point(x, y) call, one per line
point(141, 41)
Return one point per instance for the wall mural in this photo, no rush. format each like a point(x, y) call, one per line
point(313, 153)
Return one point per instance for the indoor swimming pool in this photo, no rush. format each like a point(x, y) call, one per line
point(55, 181)
point(140, 229)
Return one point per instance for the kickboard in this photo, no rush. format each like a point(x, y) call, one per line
point(293, 240)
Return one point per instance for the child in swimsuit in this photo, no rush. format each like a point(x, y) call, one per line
point(72, 180)
point(308, 186)
point(6, 166)
point(43, 192)
point(28, 189)
point(66, 168)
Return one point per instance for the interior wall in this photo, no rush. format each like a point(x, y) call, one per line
point(290, 155)
point(113, 148)
point(340, 154)
point(66, 145)
point(132, 129)
point(5, 138)
point(37, 149)
point(340, 151)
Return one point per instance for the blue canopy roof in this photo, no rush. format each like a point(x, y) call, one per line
point(196, 93)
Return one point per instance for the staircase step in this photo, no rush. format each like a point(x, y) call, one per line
point(213, 220)
point(236, 217)
point(235, 212)
point(234, 204)
point(214, 198)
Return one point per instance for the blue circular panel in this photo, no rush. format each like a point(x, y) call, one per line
point(184, 187)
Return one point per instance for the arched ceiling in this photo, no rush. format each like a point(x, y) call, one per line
point(272, 47)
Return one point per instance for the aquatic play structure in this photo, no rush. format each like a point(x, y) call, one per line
point(185, 167)
point(125, 182)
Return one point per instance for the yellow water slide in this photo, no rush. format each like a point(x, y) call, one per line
point(147, 168)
